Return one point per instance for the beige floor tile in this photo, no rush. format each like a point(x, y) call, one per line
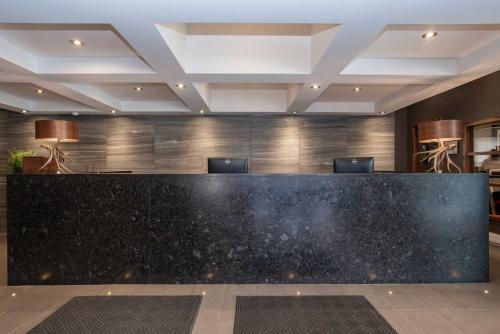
point(379, 301)
point(398, 322)
point(240, 290)
point(226, 322)
point(213, 295)
point(468, 297)
point(398, 297)
point(70, 290)
point(29, 300)
point(206, 322)
point(429, 322)
point(359, 289)
point(301, 290)
point(118, 289)
point(473, 321)
point(162, 290)
point(32, 322)
point(21, 321)
point(330, 289)
point(271, 290)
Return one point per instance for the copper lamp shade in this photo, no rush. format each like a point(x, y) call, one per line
point(443, 130)
point(57, 131)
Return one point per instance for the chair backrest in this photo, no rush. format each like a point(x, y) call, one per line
point(353, 165)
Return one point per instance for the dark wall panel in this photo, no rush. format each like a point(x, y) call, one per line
point(473, 101)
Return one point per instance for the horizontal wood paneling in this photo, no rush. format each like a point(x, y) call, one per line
point(182, 144)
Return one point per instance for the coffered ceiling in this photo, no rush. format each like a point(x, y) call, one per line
point(233, 57)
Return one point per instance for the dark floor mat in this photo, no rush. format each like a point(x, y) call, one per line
point(308, 315)
point(123, 314)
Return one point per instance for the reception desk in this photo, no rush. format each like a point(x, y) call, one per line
point(252, 228)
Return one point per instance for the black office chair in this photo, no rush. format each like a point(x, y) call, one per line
point(353, 165)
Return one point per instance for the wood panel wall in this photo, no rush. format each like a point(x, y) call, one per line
point(182, 144)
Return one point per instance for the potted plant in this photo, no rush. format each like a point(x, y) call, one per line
point(16, 156)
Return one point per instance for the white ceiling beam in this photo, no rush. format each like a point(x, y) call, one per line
point(349, 42)
point(17, 56)
point(104, 78)
point(403, 66)
point(92, 65)
point(153, 106)
point(481, 59)
point(149, 43)
point(341, 108)
point(14, 103)
point(82, 93)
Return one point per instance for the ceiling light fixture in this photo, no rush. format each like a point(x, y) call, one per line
point(202, 111)
point(382, 113)
point(357, 89)
point(180, 86)
point(430, 34)
point(295, 112)
point(139, 89)
point(24, 111)
point(113, 111)
point(75, 113)
point(315, 86)
point(39, 91)
point(76, 42)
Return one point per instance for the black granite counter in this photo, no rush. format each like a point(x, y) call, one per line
point(380, 228)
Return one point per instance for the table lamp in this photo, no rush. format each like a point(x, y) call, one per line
point(55, 132)
point(440, 132)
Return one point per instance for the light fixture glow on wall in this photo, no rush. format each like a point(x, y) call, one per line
point(113, 111)
point(77, 42)
point(315, 86)
point(202, 111)
point(139, 89)
point(24, 111)
point(357, 89)
point(430, 34)
point(39, 91)
point(180, 86)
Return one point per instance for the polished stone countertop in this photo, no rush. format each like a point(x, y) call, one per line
point(247, 228)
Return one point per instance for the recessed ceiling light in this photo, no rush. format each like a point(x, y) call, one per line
point(139, 89)
point(39, 91)
point(24, 111)
point(76, 42)
point(113, 111)
point(202, 111)
point(315, 86)
point(430, 34)
point(180, 85)
point(357, 89)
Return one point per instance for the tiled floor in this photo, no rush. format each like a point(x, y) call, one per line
point(429, 308)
